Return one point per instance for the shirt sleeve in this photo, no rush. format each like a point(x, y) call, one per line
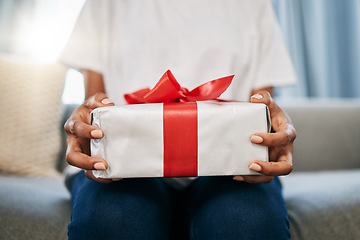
point(274, 64)
point(83, 48)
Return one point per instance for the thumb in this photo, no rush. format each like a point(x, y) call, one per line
point(98, 100)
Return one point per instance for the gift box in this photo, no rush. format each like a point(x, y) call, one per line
point(169, 131)
point(179, 139)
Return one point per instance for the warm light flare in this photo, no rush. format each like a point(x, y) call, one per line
point(43, 37)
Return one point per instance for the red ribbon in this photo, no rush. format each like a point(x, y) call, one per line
point(180, 139)
point(180, 126)
point(168, 89)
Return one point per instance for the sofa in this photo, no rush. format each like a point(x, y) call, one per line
point(322, 193)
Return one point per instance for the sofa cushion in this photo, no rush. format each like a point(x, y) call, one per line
point(30, 103)
point(323, 205)
point(327, 134)
point(33, 208)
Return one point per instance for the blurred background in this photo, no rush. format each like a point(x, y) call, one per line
point(37, 30)
point(323, 39)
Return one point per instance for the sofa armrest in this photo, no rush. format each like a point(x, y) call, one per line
point(328, 134)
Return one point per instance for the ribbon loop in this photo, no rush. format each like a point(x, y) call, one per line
point(167, 89)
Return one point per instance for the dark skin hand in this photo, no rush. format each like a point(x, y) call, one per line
point(79, 132)
point(280, 143)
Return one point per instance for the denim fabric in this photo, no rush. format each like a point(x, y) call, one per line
point(147, 208)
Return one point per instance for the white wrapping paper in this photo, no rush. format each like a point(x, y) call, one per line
point(133, 141)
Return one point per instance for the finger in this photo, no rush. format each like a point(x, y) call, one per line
point(279, 119)
point(98, 100)
point(284, 153)
point(257, 178)
point(90, 175)
point(280, 138)
point(84, 161)
point(253, 178)
point(264, 97)
point(83, 130)
point(286, 157)
point(75, 157)
point(116, 179)
point(282, 167)
point(238, 178)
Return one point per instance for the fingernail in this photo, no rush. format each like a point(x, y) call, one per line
point(256, 139)
point(96, 133)
point(99, 166)
point(239, 178)
point(106, 101)
point(255, 167)
point(257, 96)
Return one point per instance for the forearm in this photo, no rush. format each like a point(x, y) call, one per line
point(93, 82)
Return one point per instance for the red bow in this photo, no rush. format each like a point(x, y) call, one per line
point(168, 89)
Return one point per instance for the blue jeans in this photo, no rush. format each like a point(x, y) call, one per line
point(147, 208)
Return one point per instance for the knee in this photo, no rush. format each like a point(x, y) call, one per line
point(119, 215)
point(240, 221)
point(129, 218)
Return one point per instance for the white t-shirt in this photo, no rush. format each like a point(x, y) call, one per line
point(132, 43)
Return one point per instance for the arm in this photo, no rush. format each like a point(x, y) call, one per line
point(280, 142)
point(79, 131)
point(93, 82)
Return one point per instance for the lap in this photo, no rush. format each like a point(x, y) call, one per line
point(128, 209)
point(210, 208)
point(221, 208)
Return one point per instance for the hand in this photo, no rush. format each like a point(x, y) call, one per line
point(280, 143)
point(79, 132)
